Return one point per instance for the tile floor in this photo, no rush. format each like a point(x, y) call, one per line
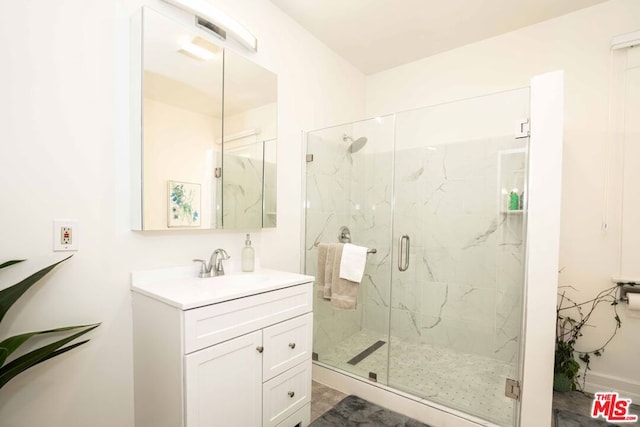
point(472, 384)
point(580, 403)
point(574, 401)
point(324, 398)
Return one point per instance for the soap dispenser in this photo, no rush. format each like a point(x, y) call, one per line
point(248, 255)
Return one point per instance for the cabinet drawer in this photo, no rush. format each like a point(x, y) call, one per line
point(286, 345)
point(215, 323)
point(300, 418)
point(285, 394)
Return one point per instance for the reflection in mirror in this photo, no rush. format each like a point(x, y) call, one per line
point(181, 126)
point(249, 153)
point(269, 185)
point(242, 186)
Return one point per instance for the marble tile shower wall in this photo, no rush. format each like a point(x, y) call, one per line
point(371, 219)
point(463, 289)
point(242, 192)
point(510, 265)
point(327, 209)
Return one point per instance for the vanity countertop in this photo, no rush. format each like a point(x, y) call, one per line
point(181, 288)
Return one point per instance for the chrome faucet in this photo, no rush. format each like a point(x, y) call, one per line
point(215, 266)
point(215, 262)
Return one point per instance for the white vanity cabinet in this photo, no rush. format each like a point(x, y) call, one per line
point(244, 361)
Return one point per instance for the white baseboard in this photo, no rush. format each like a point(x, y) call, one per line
point(601, 382)
point(422, 410)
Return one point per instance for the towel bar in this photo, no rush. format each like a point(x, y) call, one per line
point(369, 251)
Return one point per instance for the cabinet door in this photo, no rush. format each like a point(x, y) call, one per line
point(223, 384)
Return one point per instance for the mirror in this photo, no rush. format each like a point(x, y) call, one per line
point(181, 126)
point(185, 173)
point(249, 154)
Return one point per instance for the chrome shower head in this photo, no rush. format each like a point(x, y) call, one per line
point(356, 145)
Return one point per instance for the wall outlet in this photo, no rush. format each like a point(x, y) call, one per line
point(65, 235)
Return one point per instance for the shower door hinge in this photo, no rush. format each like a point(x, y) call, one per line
point(309, 158)
point(512, 389)
point(217, 172)
point(522, 128)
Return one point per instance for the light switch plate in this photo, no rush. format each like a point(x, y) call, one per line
point(65, 235)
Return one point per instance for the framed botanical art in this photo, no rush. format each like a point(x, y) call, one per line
point(184, 204)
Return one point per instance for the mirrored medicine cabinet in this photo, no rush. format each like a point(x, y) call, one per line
point(204, 131)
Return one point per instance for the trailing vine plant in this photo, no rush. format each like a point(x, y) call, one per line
point(569, 329)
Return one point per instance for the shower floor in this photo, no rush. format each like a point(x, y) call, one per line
point(469, 383)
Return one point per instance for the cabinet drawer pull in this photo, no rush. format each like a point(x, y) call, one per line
point(291, 394)
point(260, 349)
point(292, 345)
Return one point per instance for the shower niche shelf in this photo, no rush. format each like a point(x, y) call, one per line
point(512, 177)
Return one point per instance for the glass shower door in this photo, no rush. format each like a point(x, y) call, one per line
point(348, 193)
point(458, 253)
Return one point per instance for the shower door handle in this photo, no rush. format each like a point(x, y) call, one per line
point(404, 249)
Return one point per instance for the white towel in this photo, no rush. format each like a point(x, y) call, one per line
point(352, 263)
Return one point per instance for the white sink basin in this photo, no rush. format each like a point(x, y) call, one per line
point(239, 279)
point(178, 286)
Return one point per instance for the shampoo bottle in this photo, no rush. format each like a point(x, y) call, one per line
point(248, 256)
point(514, 200)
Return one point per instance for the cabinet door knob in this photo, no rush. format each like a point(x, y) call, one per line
point(260, 349)
point(291, 394)
point(292, 345)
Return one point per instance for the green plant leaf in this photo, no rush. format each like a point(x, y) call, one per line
point(585, 358)
point(11, 262)
point(60, 351)
point(8, 297)
point(11, 294)
point(11, 344)
point(39, 355)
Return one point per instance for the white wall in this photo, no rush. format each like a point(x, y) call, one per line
point(629, 131)
point(178, 147)
point(64, 154)
point(259, 118)
point(579, 44)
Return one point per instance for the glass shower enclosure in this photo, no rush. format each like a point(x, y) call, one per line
point(438, 195)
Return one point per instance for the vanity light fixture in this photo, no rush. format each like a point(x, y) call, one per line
point(196, 51)
point(204, 9)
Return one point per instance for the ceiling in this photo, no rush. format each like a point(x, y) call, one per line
point(376, 35)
